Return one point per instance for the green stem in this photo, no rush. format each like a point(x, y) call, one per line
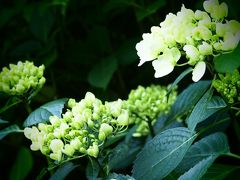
point(233, 155)
point(150, 128)
point(27, 107)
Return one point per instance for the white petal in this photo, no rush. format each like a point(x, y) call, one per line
point(162, 67)
point(198, 71)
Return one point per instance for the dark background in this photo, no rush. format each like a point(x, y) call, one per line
point(85, 45)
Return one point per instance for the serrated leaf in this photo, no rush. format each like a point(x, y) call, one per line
point(213, 145)
point(187, 99)
point(216, 102)
point(219, 172)
point(228, 62)
point(63, 171)
point(42, 114)
point(201, 110)
point(22, 165)
point(101, 74)
point(119, 177)
point(8, 130)
point(198, 170)
point(163, 153)
point(92, 169)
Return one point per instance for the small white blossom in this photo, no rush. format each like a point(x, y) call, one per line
point(198, 71)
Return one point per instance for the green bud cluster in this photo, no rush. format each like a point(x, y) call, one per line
point(19, 78)
point(146, 104)
point(228, 86)
point(81, 130)
point(196, 35)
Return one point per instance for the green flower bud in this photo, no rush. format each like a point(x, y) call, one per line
point(56, 156)
point(101, 136)
point(68, 150)
point(71, 103)
point(56, 145)
point(123, 119)
point(93, 150)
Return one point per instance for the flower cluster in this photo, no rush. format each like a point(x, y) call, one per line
point(19, 78)
point(81, 130)
point(228, 86)
point(196, 34)
point(146, 104)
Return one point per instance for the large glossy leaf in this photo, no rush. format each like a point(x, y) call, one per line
point(63, 171)
point(219, 172)
point(92, 169)
point(204, 109)
point(3, 121)
point(101, 74)
point(163, 153)
point(8, 130)
point(213, 145)
point(198, 170)
point(119, 177)
point(22, 165)
point(187, 99)
point(228, 62)
point(42, 113)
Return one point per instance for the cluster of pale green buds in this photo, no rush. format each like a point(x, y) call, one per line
point(82, 129)
point(19, 78)
point(197, 35)
point(228, 86)
point(147, 104)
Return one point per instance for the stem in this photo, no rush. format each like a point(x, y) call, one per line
point(27, 107)
point(150, 128)
point(233, 155)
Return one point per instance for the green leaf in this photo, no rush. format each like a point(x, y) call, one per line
point(198, 170)
point(124, 154)
point(92, 169)
point(201, 110)
point(213, 145)
point(3, 121)
point(42, 113)
point(216, 102)
point(228, 62)
point(163, 153)
point(63, 171)
point(179, 78)
point(219, 172)
point(187, 99)
point(8, 130)
point(23, 165)
point(10, 103)
point(144, 12)
point(101, 74)
point(119, 177)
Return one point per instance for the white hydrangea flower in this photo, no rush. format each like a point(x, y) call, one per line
point(198, 71)
point(205, 48)
point(230, 41)
point(166, 62)
point(192, 53)
point(151, 46)
point(216, 11)
point(56, 145)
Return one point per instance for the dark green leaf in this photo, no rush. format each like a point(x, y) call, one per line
point(92, 169)
point(201, 110)
point(228, 62)
point(187, 99)
point(119, 177)
point(163, 153)
point(42, 113)
point(8, 130)
point(216, 102)
point(3, 121)
point(150, 9)
point(219, 172)
point(198, 170)
point(22, 165)
point(10, 103)
point(213, 145)
point(63, 171)
point(179, 78)
point(101, 74)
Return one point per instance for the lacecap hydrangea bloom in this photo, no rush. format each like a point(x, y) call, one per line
point(82, 129)
point(19, 78)
point(145, 105)
point(228, 86)
point(196, 35)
